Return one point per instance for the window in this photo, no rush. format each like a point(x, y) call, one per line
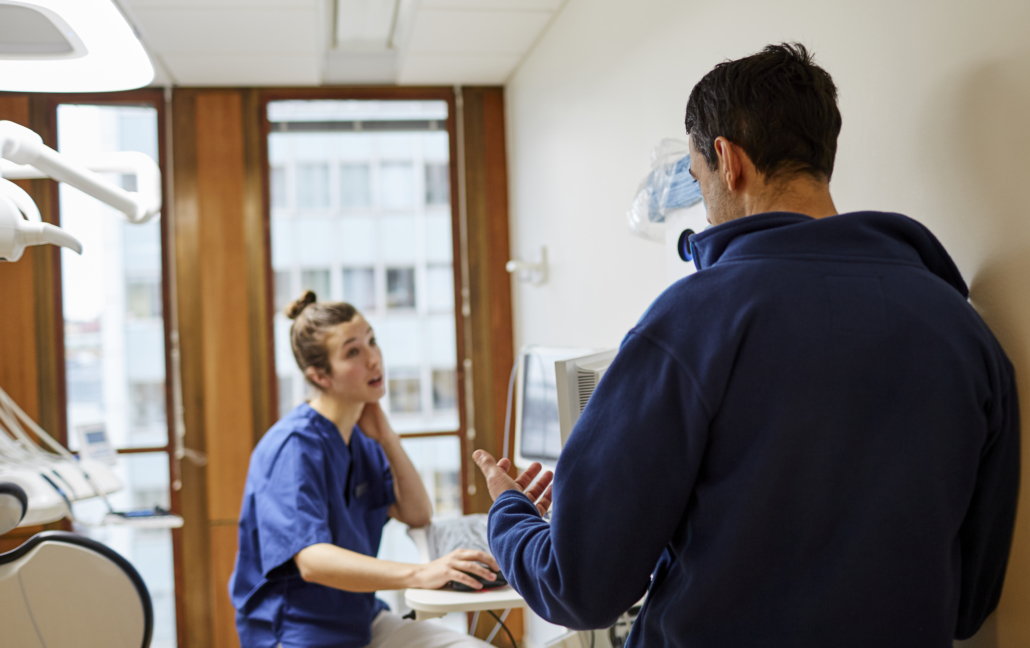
point(312, 186)
point(355, 189)
point(143, 298)
point(387, 250)
point(397, 185)
point(400, 288)
point(440, 288)
point(317, 281)
point(283, 290)
point(405, 391)
point(445, 390)
point(146, 479)
point(438, 184)
point(359, 288)
point(286, 400)
point(277, 187)
point(83, 368)
point(383, 249)
point(448, 491)
point(114, 345)
point(147, 406)
point(437, 459)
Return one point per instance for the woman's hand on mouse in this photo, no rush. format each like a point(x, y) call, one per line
point(456, 566)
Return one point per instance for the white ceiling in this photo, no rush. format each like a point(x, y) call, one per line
point(289, 42)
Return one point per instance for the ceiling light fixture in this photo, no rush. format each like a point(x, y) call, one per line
point(365, 25)
point(69, 46)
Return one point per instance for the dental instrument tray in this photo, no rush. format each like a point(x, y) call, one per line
point(155, 518)
point(144, 518)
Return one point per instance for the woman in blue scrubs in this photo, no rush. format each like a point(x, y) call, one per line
point(322, 483)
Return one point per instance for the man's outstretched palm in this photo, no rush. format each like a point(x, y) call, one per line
point(498, 480)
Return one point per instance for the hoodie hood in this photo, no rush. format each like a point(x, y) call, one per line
point(859, 235)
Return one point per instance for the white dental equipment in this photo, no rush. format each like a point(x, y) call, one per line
point(53, 481)
point(21, 225)
point(48, 588)
point(69, 46)
point(25, 156)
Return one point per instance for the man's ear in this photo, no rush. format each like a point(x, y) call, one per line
point(730, 162)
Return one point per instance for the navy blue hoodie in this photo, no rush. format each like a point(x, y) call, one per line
point(812, 441)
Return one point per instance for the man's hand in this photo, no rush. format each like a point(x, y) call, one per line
point(498, 481)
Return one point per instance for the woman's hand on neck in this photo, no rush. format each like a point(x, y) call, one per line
point(344, 414)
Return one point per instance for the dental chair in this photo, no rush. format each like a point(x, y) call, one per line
point(62, 590)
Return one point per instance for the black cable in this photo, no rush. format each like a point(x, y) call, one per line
point(60, 492)
point(613, 638)
point(506, 630)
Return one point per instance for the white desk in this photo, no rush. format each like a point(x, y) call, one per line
point(429, 604)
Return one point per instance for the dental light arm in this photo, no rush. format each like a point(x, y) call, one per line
point(33, 159)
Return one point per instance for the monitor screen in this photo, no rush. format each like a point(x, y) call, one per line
point(541, 433)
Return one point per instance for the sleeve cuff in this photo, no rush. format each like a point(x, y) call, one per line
point(274, 561)
point(510, 499)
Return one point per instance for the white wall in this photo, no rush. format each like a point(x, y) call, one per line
point(936, 104)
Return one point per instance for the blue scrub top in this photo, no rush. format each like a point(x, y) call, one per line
point(306, 486)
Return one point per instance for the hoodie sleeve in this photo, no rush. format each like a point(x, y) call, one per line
point(621, 489)
point(986, 533)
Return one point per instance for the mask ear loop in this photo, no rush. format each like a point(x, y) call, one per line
point(684, 247)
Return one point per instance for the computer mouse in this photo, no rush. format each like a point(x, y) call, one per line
point(487, 584)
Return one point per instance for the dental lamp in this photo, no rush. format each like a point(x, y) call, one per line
point(69, 46)
point(20, 222)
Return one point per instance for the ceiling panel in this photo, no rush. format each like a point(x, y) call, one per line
point(283, 42)
point(493, 5)
point(360, 67)
point(447, 69)
point(215, 4)
point(467, 32)
point(243, 69)
point(229, 31)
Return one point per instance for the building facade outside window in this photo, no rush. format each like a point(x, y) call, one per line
point(360, 212)
point(364, 217)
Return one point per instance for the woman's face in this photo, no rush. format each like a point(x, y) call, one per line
point(356, 361)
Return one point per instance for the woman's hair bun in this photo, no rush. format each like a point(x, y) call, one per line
point(297, 307)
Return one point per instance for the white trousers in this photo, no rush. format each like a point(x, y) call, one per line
point(390, 630)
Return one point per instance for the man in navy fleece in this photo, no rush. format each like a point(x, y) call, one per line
point(812, 441)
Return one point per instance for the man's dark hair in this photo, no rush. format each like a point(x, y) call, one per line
point(777, 105)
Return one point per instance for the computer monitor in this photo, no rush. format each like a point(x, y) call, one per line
point(577, 379)
point(538, 434)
